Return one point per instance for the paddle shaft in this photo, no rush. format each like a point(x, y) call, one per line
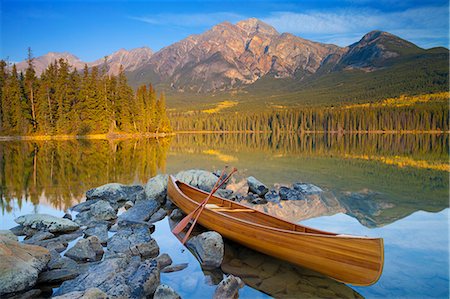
point(203, 206)
point(184, 222)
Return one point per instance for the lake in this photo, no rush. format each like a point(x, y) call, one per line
point(393, 186)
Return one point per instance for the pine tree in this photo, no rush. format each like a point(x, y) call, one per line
point(31, 85)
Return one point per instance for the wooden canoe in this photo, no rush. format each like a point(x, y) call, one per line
point(349, 259)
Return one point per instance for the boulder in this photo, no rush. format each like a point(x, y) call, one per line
point(163, 291)
point(225, 193)
point(208, 247)
point(86, 250)
point(115, 193)
point(59, 262)
point(160, 214)
point(20, 265)
point(58, 275)
point(18, 230)
point(117, 277)
point(156, 188)
point(102, 210)
point(58, 243)
point(201, 179)
point(174, 268)
point(39, 236)
point(133, 240)
point(164, 260)
point(290, 194)
point(100, 231)
point(272, 196)
point(307, 189)
point(84, 206)
point(176, 214)
point(47, 222)
point(255, 199)
point(67, 216)
point(8, 234)
point(256, 186)
point(92, 293)
point(228, 288)
point(141, 211)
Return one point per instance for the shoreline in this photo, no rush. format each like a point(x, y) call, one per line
point(114, 136)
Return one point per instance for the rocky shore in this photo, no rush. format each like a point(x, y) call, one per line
point(103, 247)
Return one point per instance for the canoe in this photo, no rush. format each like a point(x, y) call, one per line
point(345, 258)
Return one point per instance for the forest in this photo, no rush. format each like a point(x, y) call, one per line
point(63, 101)
point(419, 113)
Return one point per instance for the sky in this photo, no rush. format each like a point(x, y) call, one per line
point(93, 29)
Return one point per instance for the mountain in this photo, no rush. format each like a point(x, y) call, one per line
point(130, 60)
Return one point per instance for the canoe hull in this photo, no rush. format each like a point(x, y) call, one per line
point(354, 260)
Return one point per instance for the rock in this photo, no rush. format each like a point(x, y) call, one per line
point(160, 214)
point(225, 193)
point(83, 206)
point(102, 210)
point(59, 262)
point(133, 241)
point(8, 234)
point(163, 291)
point(141, 211)
point(169, 204)
point(228, 288)
point(256, 186)
point(176, 214)
point(128, 205)
point(117, 277)
point(255, 199)
point(58, 275)
point(174, 268)
point(67, 216)
point(92, 293)
point(208, 247)
point(290, 194)
point(86, 250)
point(47, 222)
point(39, 236)
point(31, 294)
point(201, 179)
point(115, 192)
point(114, 228)
point(272, 196)
point(100, 231)
point(307, 189)
point(18, 230)
point(59, 243)
point(156, 188)
point(20, 265)
point(164, 260)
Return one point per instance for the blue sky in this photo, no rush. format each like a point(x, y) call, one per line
point(92, 29)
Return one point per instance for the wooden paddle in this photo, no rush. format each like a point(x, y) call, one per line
point(202, 206)
point(184, 222)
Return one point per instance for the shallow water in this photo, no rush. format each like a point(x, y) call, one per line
point(390, 186)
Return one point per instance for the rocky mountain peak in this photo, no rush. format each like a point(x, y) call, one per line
point(254, 25)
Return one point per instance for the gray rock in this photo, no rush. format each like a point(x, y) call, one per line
point(115, 192)
point(86, 250)
point(272, 196)
point(174, 268)
point(83, 206)
point(102, 210)
point(307, 189)
point(255, 199)
point(156, 188)
point(8, 234)
point(176, 214)
point(100, 231)
point(163, 291)
point(67, 216)
point(128, 204)
point(225, 193)
point(59, 262)
point(39, 236)
point(31, 294)
point(47, 222)
point(256, 186)
point(18, 230)
point(117, 277)
point(141, 211)
point(164, 260)
point(92, 293)
point(160, 214)
point(169, 205)
point(59, 243)
point(58, 275)
point(228, 288)
point(133, 241)
point(208, 247)
point(290, 194)
point(20, 265)
point(201, 179)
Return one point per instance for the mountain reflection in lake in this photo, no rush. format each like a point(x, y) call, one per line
point(378, 182)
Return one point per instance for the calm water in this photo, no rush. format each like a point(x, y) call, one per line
point(390, 186)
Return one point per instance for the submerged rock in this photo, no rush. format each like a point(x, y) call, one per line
point(225, 193)
point(256, 186)
point(228, 288)
point(208, 247)
point(141, 211)
point(156, 188)
point(290, 194)
point(47, 222)
point(165, 292)
point(86, 250)
point(201, 179)
point(115, 192)
point(272, 196)
point(20, 265)
point(307, 189)
point(174, 268)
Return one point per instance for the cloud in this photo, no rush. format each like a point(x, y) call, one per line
point(340, 27)
point(190, 20)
